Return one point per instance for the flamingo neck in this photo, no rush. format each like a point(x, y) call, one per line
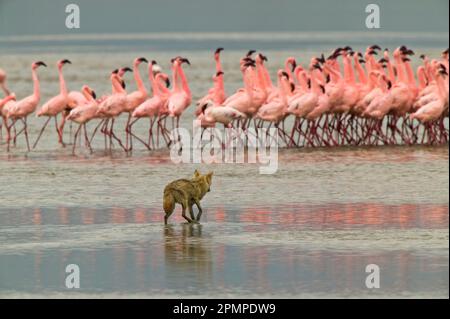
point(391, 72)
point(156, 82)
point(301, 79)
point(410, 74)
point(314, 85)
point(400, 69)
point(372, 80)
point(360, 70)
point(176, 85)
point(349, 74)
point(261, 78)
point(218, 63)
point(36, 89)
point(218, 88)
point(161, 88)
point(184, 81)
point(151, 79)
point(422, 77)
point(137, 78)
point(117, 86)
point(248, 83)
point(282, 89)
point(335, 75)
point(62, 83)
point(288, 69)
point(267, 76)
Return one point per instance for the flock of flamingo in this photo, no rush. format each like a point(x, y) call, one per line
point(349, 98)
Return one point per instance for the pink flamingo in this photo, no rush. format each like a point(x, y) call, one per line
point(275, 111)
point(3, 114)
point(20, 110)
point(181, 96)
point(134, 99)
point(83, 113)
point(243, 100)
point(434, 109)
point(112, 106)
point(153, 107)
point(56, 105)
point(218, 98)
point(213, 112)
point(5, 90)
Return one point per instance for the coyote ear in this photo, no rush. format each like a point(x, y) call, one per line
point(209, 176)
point(196, 173)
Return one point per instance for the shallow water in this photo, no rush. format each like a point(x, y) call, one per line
point(307, 231)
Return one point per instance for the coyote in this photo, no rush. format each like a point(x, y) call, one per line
point(187, 192)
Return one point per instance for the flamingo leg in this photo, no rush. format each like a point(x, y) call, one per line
point(75, 139)
point(42, 131)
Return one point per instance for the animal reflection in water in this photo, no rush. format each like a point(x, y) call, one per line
point(186, 253)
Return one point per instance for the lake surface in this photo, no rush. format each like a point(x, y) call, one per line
point(308, 231)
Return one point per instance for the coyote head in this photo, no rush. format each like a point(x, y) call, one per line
point(206, 179)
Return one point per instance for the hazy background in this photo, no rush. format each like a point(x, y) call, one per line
point(30, 17)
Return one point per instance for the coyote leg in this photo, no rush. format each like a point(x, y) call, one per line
point(184, 213)
point(191, 211)
point(200, 210)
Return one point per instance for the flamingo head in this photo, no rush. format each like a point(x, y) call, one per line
point(250, 53)
point(61, 63)
point(316, 67)
point(217, 53)
point(260, 58)
point(138, 61)
point(375, 47)
point(121, 72)
point(164, 77)
point(37, 64)
point(217, 76)
point(281, 73)
point(87, 90)
point(292, 62)
point(442, 70)
point(184, 60)
point(402, 51)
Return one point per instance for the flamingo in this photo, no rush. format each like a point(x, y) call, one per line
point(213, 112)
point(134, 99)
point(56, 105)
point(20, 110)
point(83, 113)
point(435, 108)
point(112, 106)
point(10, 97)
point(218, 98)
point(154, 106)
point(275, 110)
point(243, 100)
point(4, 88)
point(180, 97)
